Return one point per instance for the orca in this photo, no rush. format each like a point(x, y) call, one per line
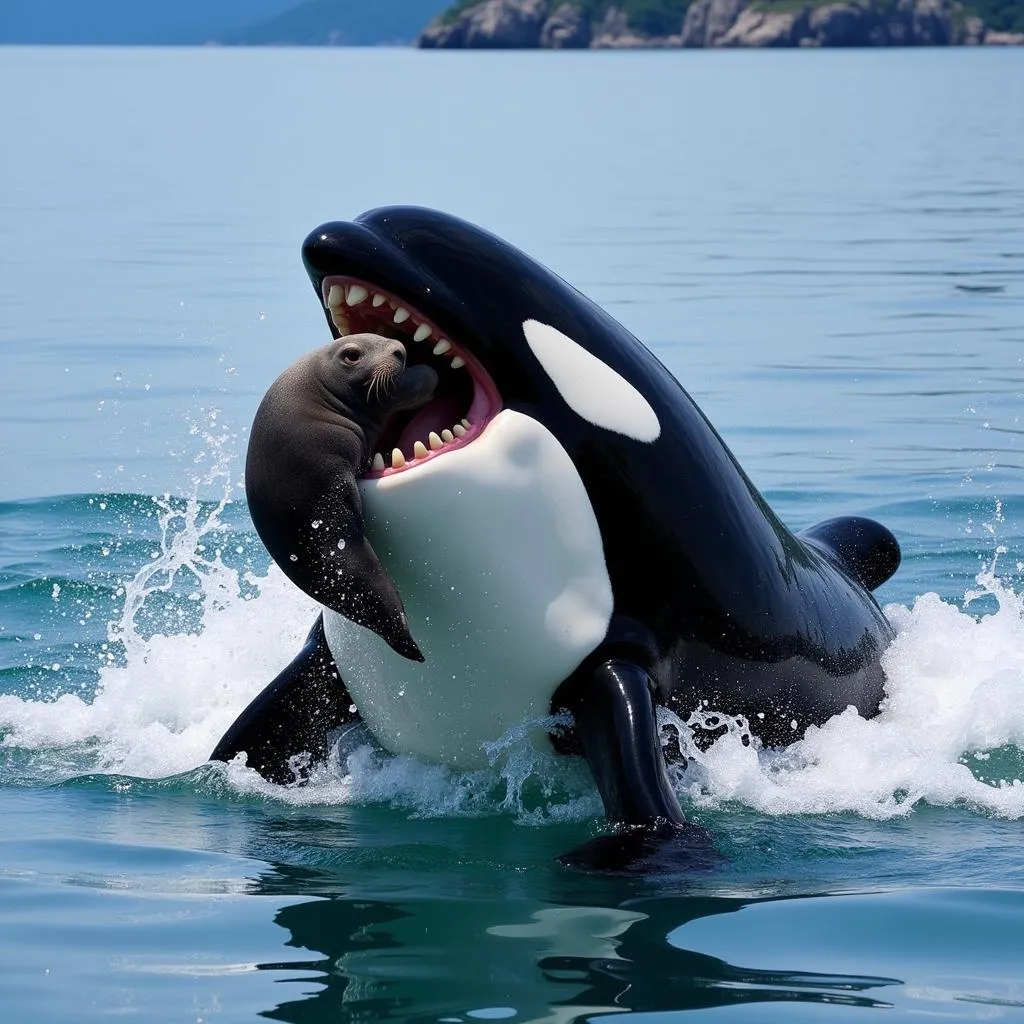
point(568, 534)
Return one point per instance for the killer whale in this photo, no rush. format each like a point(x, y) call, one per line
point(569, 534)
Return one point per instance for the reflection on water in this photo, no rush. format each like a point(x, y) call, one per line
point(429, 960)
point(248, 908)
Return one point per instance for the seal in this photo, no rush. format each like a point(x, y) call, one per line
point(568, 533)
point(313, 433)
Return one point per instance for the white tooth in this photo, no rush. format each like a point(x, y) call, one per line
point(422, 333)
point(401, 315)
point(356, 294)
point(336, 296)
point(397, 458)
point(340, 321)
point(378, 299)
point(378, 461)
point(442, 346)
point(458, 361)
point(459, 430)
point(447, 436)
point(466, 424)
point(435, 442)
point(419, 450)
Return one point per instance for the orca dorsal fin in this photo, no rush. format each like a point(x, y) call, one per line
point(866, 550)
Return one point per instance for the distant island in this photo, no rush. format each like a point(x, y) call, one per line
point(223, 22)
point(617, 24)
point(513, 24)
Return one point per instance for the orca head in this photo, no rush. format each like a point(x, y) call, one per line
point(486, 519)
point(502, 332)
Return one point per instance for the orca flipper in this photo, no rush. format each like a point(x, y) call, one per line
point(615, 724)
point(864, 549)
point(292, 716)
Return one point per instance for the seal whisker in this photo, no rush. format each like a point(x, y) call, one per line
point(381, 382)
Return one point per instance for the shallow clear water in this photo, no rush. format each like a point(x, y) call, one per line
point(826, 249)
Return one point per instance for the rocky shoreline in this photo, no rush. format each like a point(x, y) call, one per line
point(565, 24)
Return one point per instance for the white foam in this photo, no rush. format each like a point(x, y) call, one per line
point(162, 711)
point(955, 690)
point(955, 694)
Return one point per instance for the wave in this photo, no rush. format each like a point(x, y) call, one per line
point(200, 629)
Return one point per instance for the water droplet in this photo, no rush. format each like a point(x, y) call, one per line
point(317, 523)
point(341, 544)
point(293, 558)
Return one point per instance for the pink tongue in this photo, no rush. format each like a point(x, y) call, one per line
point(437, 415)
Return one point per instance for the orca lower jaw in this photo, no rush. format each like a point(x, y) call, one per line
point(465, 399)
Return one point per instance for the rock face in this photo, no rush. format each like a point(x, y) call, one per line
point(758, 27)
point(491, 25)
point(993, 38)
point(840, 25)
point(568, 28)
point(614, 32)
point(708, 21)
point(564, 24)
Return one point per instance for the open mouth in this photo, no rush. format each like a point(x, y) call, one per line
point(465, 398)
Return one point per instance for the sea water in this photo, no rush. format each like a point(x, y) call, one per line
point(827, 249)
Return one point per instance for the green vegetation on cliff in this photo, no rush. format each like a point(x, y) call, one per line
point(649, 17)
point(1001, 15)
point(664, 17)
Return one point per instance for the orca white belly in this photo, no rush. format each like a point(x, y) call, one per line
point(497, 554)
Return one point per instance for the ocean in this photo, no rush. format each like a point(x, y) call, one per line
point(827, 249)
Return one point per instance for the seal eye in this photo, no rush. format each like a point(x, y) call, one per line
point(351, 354)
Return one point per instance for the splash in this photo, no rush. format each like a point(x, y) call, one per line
point(951, 730)
point(190, 646)
point(533, 787)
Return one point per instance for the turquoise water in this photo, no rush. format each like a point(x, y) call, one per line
point(826, 249)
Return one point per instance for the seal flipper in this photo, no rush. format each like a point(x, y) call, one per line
point(864, 549)
point(615, 724)
point(335, 564)
point(293, 716)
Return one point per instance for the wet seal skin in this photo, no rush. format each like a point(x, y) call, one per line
point(314, 433)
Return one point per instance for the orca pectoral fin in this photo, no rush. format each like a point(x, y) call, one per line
point(293, 716)
point(865, 549)
point(615, 724)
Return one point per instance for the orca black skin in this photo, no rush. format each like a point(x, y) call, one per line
point(701, 596)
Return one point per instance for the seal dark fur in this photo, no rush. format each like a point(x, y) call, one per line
point(314, 432)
